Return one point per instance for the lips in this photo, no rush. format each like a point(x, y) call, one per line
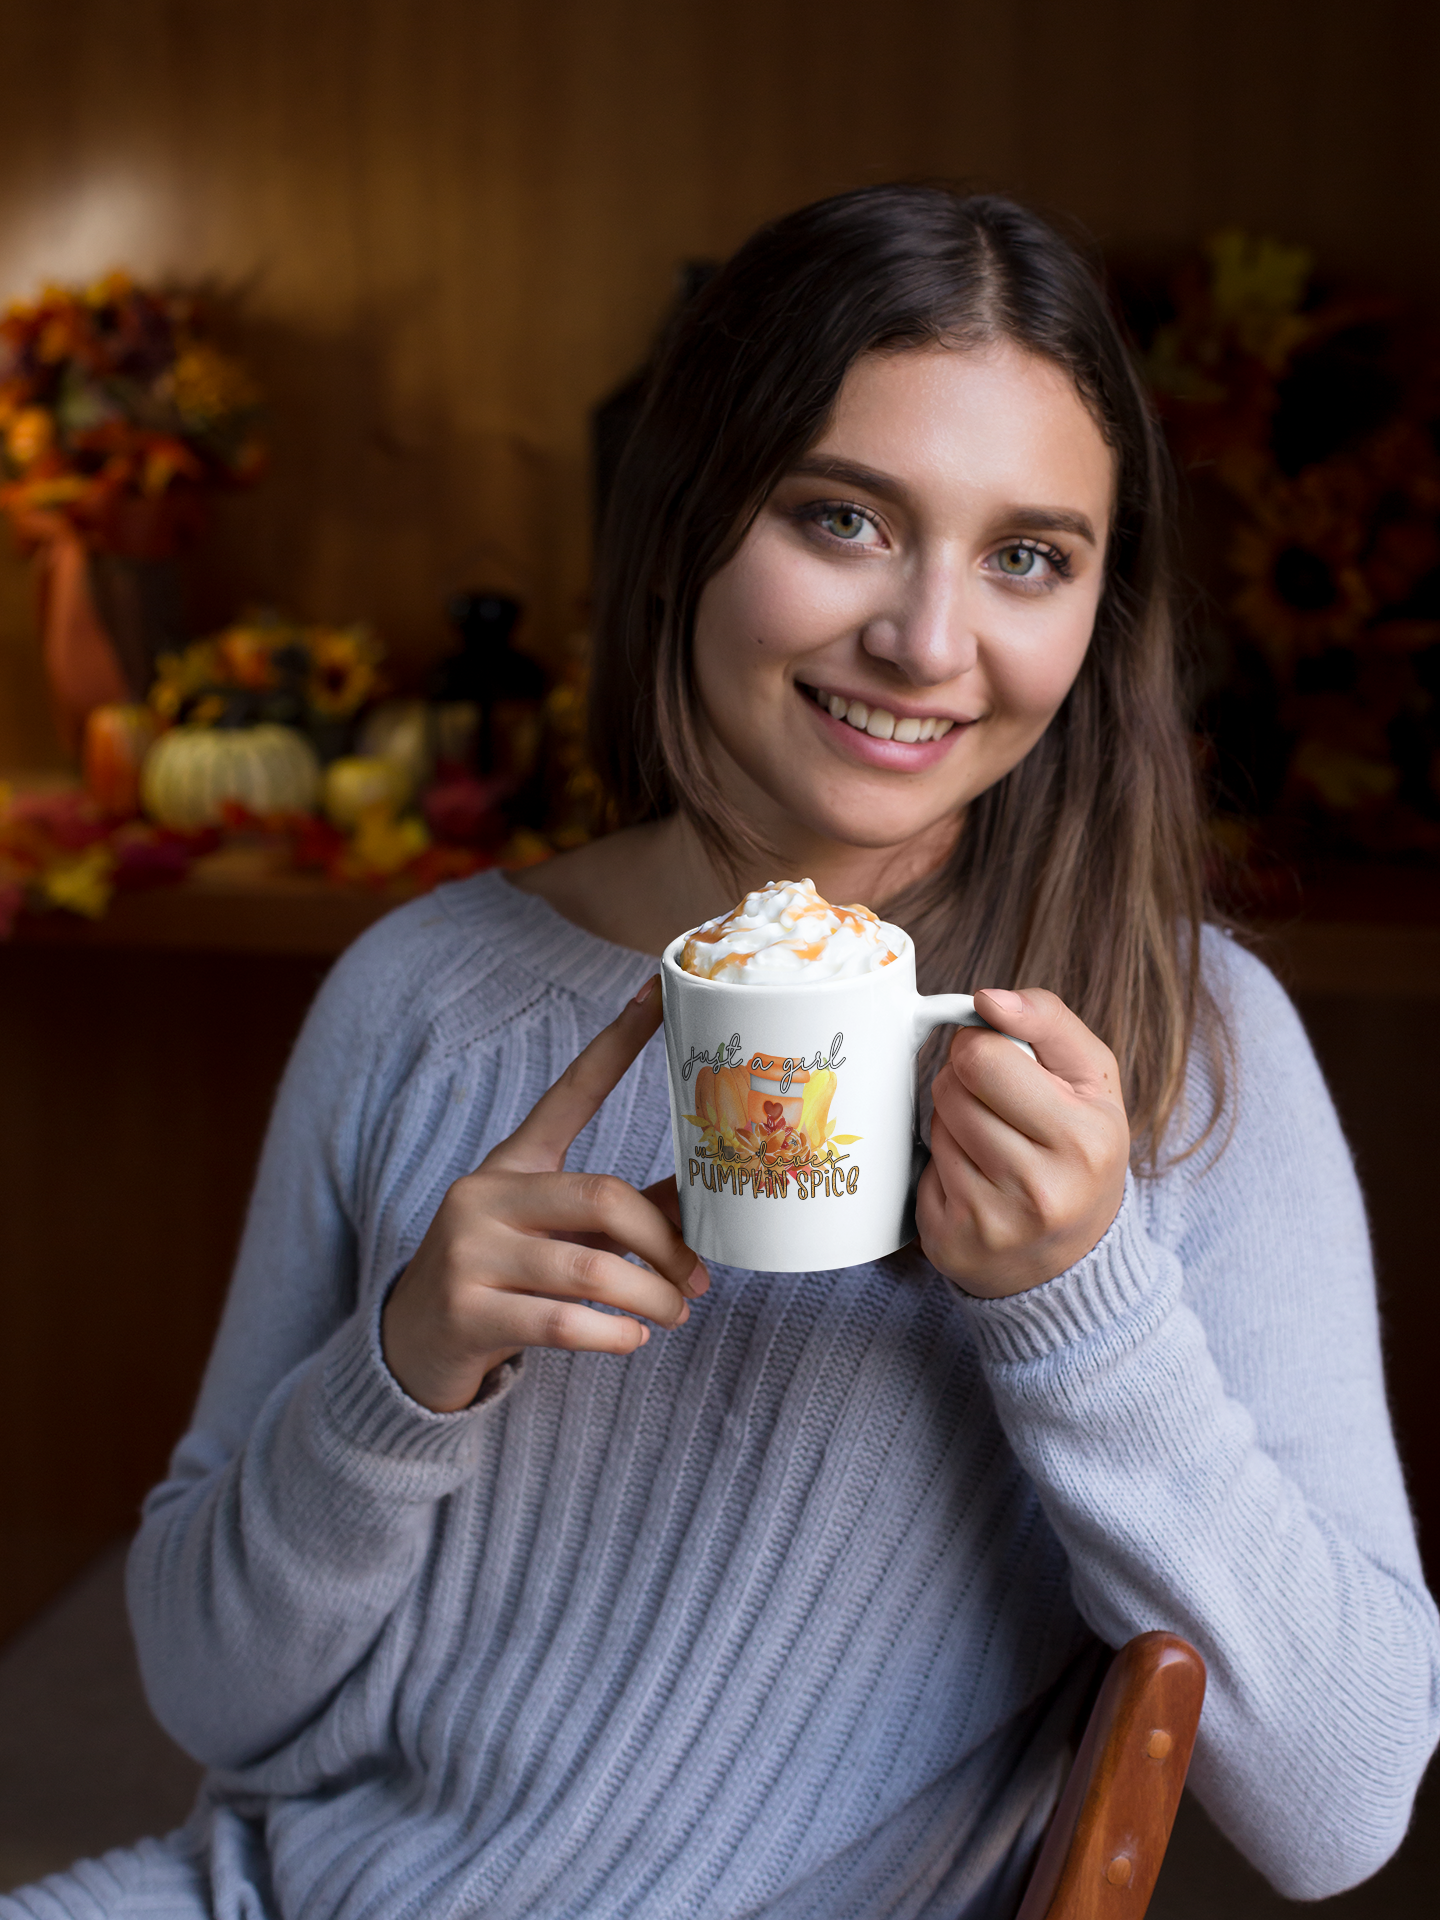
point(879, 722)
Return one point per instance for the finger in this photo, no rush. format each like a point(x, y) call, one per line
point(599, 1204)
point(942, 1209)
point(961, 1199)
point(564, 1270)
point(1063, 1044)
point(664, 1195)
point(523, 1320)
point(541, 1141)
point(957, 1173)
point(1004, 1150)
point(1029, 1099)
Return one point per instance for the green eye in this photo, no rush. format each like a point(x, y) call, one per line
point(1017, 561)
point(845, 523)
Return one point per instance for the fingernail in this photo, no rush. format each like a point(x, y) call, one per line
point(1007, 1001)
point(646, 991)
point(698, 1281)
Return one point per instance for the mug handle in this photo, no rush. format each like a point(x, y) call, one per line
point(953, 1010)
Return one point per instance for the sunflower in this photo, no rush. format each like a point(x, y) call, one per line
point(179, 677)
point(1299, 559)
point(1402, 469)
point(343, 676)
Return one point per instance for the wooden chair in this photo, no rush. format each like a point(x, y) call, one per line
point(1102, 1852)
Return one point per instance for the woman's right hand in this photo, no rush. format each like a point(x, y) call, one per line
point(518, 1246)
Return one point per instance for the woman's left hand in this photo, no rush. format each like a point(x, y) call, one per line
point(1028, 1157)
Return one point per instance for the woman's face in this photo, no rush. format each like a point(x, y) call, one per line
point(913, 601)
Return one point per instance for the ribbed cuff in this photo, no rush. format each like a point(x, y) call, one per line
point(1110, 1300)
point(369, 1409)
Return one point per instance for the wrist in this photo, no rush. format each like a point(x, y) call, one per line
point(439, 1382)
point(1000, 1276)
point(1110, 1300)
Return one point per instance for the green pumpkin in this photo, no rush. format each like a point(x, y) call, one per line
point(191, 773)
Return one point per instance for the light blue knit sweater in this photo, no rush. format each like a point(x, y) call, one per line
point(791, 1612)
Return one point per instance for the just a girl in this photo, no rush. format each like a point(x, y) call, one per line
point(731, 1054)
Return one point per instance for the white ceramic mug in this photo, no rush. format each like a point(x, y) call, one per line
point(793, 1112)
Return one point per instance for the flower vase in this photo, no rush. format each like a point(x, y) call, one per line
point(138, 601)
point(107, 612)
point(81, 664)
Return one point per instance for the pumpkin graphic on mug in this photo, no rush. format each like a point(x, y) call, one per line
point(767, 1120)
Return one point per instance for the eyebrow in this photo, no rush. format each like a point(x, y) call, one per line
point(1031, 519)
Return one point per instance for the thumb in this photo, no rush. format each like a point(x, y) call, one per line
point(1063, 1044)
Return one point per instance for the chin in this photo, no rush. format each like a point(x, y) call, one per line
point(863, 825)
point(854, 809)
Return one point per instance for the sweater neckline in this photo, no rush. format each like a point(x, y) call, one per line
point(539, 937)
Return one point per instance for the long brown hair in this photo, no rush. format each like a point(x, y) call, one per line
point(1081, 870)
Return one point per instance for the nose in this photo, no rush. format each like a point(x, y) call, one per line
point(928, 633)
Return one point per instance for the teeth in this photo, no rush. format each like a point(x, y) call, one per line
point(880, 723)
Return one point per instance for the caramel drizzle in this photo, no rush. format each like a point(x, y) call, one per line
point(853, 917)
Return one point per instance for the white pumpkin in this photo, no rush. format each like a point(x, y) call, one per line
point(191, 773)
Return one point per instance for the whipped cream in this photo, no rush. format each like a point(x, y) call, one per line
point(784, 934)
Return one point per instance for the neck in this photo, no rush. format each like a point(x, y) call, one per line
point(844, 873)
point(644, 886)
point(848, 875)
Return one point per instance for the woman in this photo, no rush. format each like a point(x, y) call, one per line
point(781, 1595)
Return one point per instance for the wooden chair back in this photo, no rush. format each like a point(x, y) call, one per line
point(1102, 1852)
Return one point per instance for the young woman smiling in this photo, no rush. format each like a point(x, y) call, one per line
point(479, 1597)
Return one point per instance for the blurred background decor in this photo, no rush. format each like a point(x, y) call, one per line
point(266, 669)
point(270, 748)
point(1305, 421)
point(118, 417)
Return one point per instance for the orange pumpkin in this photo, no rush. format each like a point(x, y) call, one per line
point(116, 742)
point(720, 1097)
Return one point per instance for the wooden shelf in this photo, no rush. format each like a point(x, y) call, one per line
point(1351, 929)
point(1356, 927)
point(239, 900)
point(1335, 957)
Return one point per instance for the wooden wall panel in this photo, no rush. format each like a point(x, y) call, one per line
point(445, 227)
point(136, 1088)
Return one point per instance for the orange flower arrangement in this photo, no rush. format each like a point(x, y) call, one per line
point(111, 403)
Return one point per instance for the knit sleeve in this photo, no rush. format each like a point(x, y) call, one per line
point(1201, 1406)
point(298, 1506)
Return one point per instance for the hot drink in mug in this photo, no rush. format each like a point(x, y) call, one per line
point(791, 1034)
